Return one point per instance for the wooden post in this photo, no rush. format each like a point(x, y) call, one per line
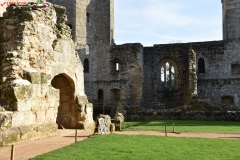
point(166, 131)
point(75, 135)
point(173, 130)
point(13, 152)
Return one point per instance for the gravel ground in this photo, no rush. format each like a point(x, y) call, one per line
point(28, 149)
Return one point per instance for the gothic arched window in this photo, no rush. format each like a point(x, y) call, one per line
point(168, 74)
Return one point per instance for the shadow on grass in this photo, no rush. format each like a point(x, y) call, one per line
point(78, 136)
point(230, 137)
point(179, 123)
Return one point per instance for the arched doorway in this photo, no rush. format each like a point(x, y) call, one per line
point(65, 117)
point(99, 108)
point(100, 97)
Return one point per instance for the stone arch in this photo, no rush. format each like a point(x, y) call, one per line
point(173, 73)
point(66, 110)
point(200, 56)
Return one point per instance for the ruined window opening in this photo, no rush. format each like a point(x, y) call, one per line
point(86, 66)
point(167, 75)
point(88, 17)
point(114, 66)
point(235, 68)
point(117, 66)
point(227, 100)
point(100, 97)
point(115, 94)
point(201, 66)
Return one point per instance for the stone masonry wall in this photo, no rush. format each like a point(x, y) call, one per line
point(183, 60)
point(130, 73)
point(42, 75)
point(231, 22)
point(218, 79)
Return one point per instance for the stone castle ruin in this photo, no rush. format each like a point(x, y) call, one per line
point(197, 80)
point(49, 62)
point(41, 75)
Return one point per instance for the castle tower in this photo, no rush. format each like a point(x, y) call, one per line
point(91, 21)
point(231, 19)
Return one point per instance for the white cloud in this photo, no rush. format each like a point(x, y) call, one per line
point(166, 20)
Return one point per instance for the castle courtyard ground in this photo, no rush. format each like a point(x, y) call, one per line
point(32, 148)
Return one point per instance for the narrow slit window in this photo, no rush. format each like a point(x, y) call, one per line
point(86, 66)
point(201, 66)
point(88, 17)
point(117, 66)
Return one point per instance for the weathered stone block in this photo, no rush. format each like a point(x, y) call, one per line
point(40, 116)
point(23, 118)
point(10, 136)
point(23, 105)
point(5, 119)
point(33, 77)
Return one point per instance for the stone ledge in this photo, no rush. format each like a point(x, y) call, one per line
point(23, 133)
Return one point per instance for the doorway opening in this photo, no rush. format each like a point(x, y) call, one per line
point(65, 116)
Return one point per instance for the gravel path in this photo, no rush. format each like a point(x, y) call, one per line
point(190, 134)
point(32, 148)
point(29, 149)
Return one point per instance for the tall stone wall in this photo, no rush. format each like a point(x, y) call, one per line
point(231, 16)
point(218, 79)
point(42, 75)
point(183, 60)
point(130, 73)
point(70, 6)
point(93, 33)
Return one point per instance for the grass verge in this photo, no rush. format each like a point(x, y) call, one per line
point(185, 126)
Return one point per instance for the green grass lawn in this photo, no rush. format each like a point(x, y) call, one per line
point(140, 147)
point(185, 126)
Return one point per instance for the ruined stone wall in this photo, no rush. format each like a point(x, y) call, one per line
point(5, 3)
point(94, 38)
point(130, 73)
point(125, 83)
point(183, 60)
point(231, 15)
point(218, 79)
point(42, 75)
point(70, 6)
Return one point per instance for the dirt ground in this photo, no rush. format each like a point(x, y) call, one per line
point(32, 148)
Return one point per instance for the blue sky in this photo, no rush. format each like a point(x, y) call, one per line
point(166, 21)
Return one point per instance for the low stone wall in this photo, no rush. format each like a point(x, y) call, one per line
point(23, 133)
point(203, 110)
